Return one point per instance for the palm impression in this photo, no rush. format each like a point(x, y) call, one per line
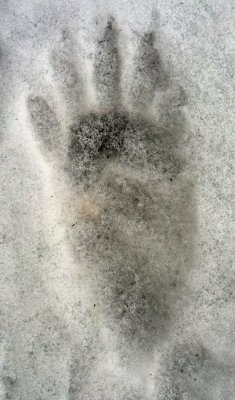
point(134, 213)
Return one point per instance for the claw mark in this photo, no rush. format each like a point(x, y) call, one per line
point(108, 66)
point(149, 73)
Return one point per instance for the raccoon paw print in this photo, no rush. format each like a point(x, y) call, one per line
point(137, 222)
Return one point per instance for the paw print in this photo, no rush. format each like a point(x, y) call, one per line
point(136, 217)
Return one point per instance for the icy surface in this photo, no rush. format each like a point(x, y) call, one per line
point(117, 224)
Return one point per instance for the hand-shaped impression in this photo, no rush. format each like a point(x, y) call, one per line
point(135, 218)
